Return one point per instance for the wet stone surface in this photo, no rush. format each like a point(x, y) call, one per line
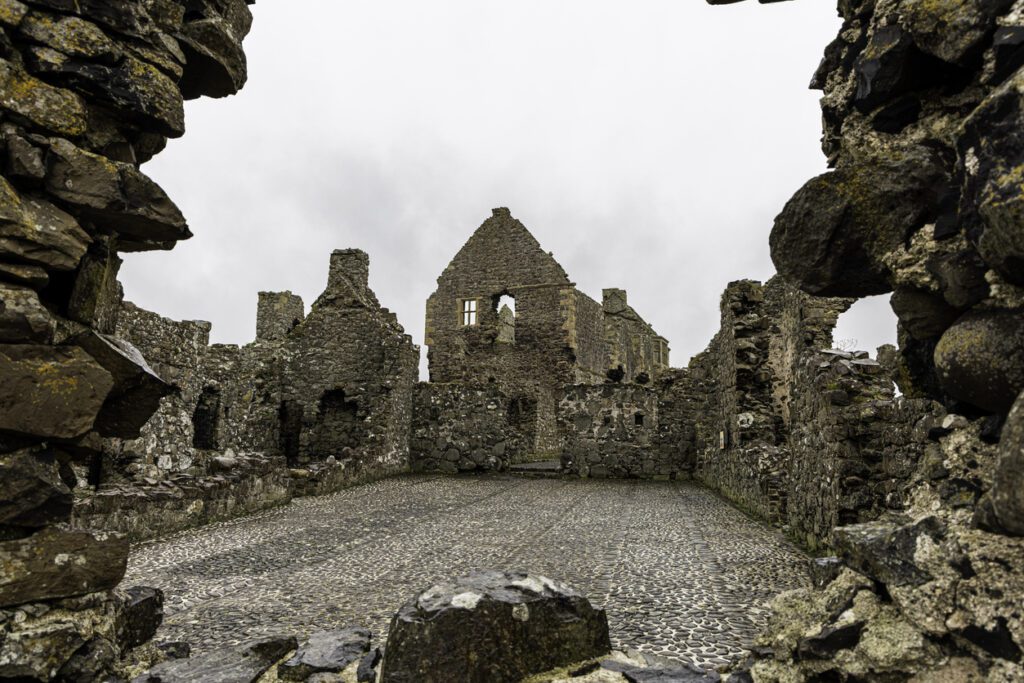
point(681, 573)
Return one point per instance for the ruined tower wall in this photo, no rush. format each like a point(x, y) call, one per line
point(585, 326)
point(631, 343)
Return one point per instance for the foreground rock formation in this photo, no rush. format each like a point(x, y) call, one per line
point(922, 131)
point(88, 92)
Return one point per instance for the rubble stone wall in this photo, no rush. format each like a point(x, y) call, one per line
point(460, 428)
point(88, 92)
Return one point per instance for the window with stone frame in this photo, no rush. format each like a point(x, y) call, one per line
point(468, 312)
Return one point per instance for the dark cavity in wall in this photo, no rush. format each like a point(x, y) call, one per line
point(206, 420)
point(338, 425)
point(289, 417)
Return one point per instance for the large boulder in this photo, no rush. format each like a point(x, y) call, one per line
point(492, 627)
point(50, 391)
point(831, 237)
point(243, 663)
point(59, 562)
point(980, 359)
point(1008, 485)
point(884, 549)
point(326, 652)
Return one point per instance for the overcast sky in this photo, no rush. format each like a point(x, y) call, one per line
point(648, 145)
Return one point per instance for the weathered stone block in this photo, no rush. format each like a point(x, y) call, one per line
point(32, 493)
point(492, 627)
point(50, 391)
point(59, 562)
point(243, 663)
point(326, 652)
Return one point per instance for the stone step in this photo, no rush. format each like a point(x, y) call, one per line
point(541, 468)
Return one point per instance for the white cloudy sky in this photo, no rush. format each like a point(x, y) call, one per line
point(648, 145)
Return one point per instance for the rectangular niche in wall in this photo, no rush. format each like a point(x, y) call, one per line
point(338, 428)
point(206, 420)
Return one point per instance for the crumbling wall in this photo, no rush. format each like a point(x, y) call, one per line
point(88, 92)
point(460, 428)
point(175, 350)
point(636, 353)
point(612, 430)
point(922, 130)
point(561, 336)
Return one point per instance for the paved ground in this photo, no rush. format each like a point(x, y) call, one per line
point(680, 572)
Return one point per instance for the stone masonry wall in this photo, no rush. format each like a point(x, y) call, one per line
point(88, 92)
point(922, 113)
point(611, 430)
point(459, 428)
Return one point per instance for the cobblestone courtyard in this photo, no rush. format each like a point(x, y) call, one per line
point(681, 573)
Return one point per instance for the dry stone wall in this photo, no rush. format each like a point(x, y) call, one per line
point(88, 91)
point(922, 131)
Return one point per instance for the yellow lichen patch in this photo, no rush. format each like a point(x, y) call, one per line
point(70, 35)
point(52, 108)
point(12, 12)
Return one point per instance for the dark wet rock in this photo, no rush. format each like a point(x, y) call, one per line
point(1008, 485)
point(94, 661)
point(830, 237)
point(140, 611)
point(243, 663)
point(830, 640)
point(326, 651)
point(492, 627)
point(96, 295)
point(50, 391)
point(884, 550)
point(176, 649)
point(680, 673)
point(923, 314)
point(137, 389)
point(32, 493)
point(24, 274)
point(23, 317)
point(115, 193)
point(24, 160)
point(980, 359)
point(961, 278)
point(367, 671)
point(59, 562)
point(212, 43)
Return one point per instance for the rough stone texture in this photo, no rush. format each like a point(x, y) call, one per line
point(326, 652)
point(59, 562)
point(88, 91)
point(492, 626)
point(244, 663)
point(680, 572)
point(921, 111)
point(1008, 487)
point(614, 430)
point(560, 336)
point(458, 428)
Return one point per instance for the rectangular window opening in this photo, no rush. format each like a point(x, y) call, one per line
point(639, 419)
point(469, 312)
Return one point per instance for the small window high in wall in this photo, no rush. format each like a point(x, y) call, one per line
point(469, 312)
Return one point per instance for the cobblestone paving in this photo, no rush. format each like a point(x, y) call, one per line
point(681, 573)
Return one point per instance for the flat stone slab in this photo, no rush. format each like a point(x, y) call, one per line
point(680, 572)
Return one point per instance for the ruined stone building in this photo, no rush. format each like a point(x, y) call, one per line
point(113, 418)
point(556, 336)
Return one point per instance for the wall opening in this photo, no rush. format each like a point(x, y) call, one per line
point(505, 308)
point(338, 426)
point(866, 325)
point(638, 419)
point(206, 420)
point(289, 417)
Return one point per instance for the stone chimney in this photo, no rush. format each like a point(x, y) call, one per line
point(277, 313)
point(614, 300)
point(353, 265)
